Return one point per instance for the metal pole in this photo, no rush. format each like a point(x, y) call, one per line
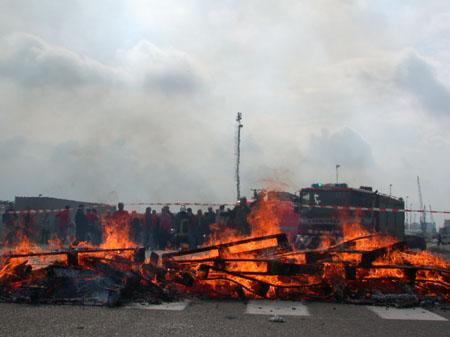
point(407, 214)
point(238, 155)
point(337, 173)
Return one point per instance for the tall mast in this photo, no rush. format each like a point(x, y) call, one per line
point(238, 154)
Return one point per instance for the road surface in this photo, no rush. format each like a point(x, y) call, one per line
point(223, 318)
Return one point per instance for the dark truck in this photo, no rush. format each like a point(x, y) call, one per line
point(314, 221)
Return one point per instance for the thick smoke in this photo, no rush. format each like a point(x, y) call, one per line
point(136, 100)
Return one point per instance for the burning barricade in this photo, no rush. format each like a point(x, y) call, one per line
point(362, 267)
point(80, 274)
point(354, 271)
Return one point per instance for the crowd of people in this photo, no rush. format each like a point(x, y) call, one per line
point(152, 229)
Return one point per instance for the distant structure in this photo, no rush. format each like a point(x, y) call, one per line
point(4, 204)
point(45, 222)
point(427, 229)
point(423, 218)
point(432, 217)
point(444, 232)
point(24, 203)
point(238, 155)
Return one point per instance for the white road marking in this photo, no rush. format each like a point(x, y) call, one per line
point(171, 306)
point(413, 314)
point(282, 308)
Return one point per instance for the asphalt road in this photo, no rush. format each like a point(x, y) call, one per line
point(222, 318)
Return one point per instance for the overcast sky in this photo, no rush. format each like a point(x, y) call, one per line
point(136, 100)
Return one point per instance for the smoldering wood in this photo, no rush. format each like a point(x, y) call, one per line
point(114, 276)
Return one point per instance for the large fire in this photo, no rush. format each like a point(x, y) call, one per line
point(261, 263)
point(261, 268)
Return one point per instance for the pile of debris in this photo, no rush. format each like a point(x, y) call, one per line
point(267, 267)
point(79, 276)
point(363, 267)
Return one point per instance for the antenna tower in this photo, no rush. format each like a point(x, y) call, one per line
point(238, 154)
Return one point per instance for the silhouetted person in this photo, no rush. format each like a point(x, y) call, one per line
point(135, 227)
point(221, 217)
point(94, 228)
point(239, 217)
point(121, 215)
point(166, 223)
point(155, 227)
point(27, 225)
point(63, 223)
point(210, 216)
point(10, 221)
point(80, 224)
point(202, 227)
point(121, 219)
point(45, 228)
point(193, 233)
point(182, 223)
point(151, 228)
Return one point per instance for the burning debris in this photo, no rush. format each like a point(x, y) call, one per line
point(107, 274)
point(77, 276)
point(355, 271)
point(361, 267)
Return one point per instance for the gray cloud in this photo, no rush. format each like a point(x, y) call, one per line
point(418, 77)
point(30, 61)
point(136, 99)
point(345, 147)
point(96, 172)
